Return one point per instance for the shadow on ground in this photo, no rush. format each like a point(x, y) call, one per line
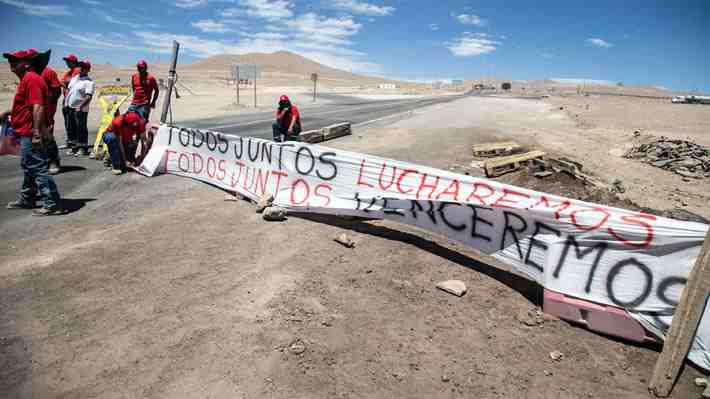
point(74, 204)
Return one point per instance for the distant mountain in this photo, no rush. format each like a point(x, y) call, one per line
point(284, 62)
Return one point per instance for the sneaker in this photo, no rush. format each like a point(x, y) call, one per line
point(116, 171)
point(54, 168)
point(92, 155)
point(82, 152)
point(18, 205)
point(48, 211)
point(71, 152)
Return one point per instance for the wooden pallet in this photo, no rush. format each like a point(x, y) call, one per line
point(494, 149)
point(502, 165)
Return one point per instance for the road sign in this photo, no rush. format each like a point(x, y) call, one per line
point(245, 72)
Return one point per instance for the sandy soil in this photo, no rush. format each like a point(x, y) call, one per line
point(159, 288)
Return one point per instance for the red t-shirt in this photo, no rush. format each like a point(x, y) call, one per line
point(55, 90)
point(66, 78)
point(287, 117)
point(143, 93)
point(124, 130)
point(31, 91)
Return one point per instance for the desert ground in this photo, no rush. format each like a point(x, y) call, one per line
point(158, 287)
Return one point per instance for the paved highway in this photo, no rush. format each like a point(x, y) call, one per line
point(80, 171)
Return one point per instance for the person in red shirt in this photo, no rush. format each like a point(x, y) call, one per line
point(145, 91)
point(288, 121)
point(28, 119)
point(55, 91)
point(69, 120)
point(119, 140)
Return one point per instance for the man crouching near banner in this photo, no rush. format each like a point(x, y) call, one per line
point(288, 121)
point(119, 140)
point(29, 122)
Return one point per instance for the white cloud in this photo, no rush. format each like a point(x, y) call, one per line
point(470, 19)
point(599, 42)
point(92, 2)
point(434, 26)
point(189, 3)
point(232, 12)
point(210, 26)
point(101, 42)
point(361, 7)
point(37, 10)
point(268, 9)
point(315, 28)
point(113, 20)
point(470, 45)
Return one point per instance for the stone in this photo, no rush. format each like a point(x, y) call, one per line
point(264, 202)
point(456, 287)
point(231, 197)
point(445, 378)
point(706, 392)
point(297, 347)
point(274, 214)
point(540, 175)
point(556, 356)
point(345, 240)
point(701, 381)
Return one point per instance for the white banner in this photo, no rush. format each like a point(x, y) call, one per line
point(629, 259)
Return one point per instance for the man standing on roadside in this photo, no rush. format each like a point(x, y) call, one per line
point(29, 122)
point(69, 125)
point(145, 91)
point(288, 121)
point(81, 90)
point(55, 91)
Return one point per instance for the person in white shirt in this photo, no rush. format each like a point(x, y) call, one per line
point(81, 90)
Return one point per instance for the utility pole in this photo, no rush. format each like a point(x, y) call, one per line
point(255, 85)
point(314, 78)
point(237, 82)
point(171, 83)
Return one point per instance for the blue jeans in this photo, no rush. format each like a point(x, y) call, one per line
point(114, 150)
point(35, 165)
point(142, 110)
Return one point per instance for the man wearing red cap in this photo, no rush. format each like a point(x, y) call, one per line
point(119, 140)
point(55, 91)
point(81, 91)
point(69, 126)
point(29, 122)
point(145, 91)
point(288, 121)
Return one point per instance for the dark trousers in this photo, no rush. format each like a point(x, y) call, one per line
point(53, 151)
point(281, 133)
point(82, 132)
point(69, 126)
point(142, 110)
point(35, 165)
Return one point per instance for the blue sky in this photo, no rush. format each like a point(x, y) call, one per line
point(660, 43)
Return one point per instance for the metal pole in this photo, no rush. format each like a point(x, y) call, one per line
point(314, 89)
point(171, 83)
point(238, 84)
point(254, 85)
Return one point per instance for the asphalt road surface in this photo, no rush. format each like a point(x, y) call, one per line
point(77, 172)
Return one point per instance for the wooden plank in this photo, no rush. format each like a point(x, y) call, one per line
point(312, 136)
point(685, 323)
point(498, 166)
point(493, 149)
point(335, 131)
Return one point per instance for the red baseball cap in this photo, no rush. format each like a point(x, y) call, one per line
point(71, 57)
point(135, 121)
point(142, 64)
point(284, 98)
point(21, 55)
point(85, 64)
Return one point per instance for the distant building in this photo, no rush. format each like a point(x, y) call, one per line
point(386, 86)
